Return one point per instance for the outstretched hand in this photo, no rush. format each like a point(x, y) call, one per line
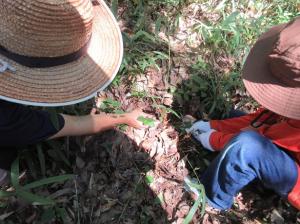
point(132, 118)
point(95, 123)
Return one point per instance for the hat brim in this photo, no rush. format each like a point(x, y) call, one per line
point(262, 85)
point(73, 82)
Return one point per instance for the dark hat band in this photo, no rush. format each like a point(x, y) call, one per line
point(45, 62)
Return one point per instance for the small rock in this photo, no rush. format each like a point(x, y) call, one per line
point(79, 162)
point(276, 217)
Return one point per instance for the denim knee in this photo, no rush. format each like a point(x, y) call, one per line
point(256, 156)
point(251, 144)
point(253, 137)
point(247, 157)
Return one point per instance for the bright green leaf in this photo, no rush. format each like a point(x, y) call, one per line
point(149, 179)
point(47, 181)
point(5, 194)
point(146, 121)
point(192, 212)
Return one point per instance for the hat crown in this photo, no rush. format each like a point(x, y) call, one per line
point(45, 28)
point(284, 59)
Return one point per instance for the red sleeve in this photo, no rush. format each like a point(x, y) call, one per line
point(226, 129)
point(234, 125)
point(218, 140)
point(285, 134)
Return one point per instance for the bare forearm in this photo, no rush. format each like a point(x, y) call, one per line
point(89, 124)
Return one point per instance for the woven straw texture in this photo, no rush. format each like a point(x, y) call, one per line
point(54, 28)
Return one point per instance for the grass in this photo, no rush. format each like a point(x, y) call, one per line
point(226, 29)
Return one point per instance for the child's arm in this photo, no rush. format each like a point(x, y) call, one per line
point(94, 123)
point(215, 134)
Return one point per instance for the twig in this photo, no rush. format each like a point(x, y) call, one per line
point(193, 170)
point(77, 200)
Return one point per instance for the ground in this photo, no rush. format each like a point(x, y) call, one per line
point(181, 58)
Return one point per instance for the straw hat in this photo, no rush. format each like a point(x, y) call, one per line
point(57, 52)
point(271, 72)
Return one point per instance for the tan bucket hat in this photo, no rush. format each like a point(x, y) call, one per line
point(57, 52)
point(271, 72)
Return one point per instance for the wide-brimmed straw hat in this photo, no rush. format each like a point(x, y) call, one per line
point(271, 72)
point(57, 52)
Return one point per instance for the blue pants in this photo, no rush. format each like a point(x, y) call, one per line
point(248, 157)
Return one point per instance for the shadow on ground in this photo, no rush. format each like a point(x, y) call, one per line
point(113, 183)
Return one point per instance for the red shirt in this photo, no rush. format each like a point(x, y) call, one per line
point(281, 131)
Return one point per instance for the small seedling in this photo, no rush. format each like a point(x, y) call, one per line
point(149, 179)
point(146, 121)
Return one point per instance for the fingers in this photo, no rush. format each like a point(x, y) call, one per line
point(93, 111)
point(199, 126)
point(141, 120)
point(204, 139)
point(189, 119)
point(141, 126)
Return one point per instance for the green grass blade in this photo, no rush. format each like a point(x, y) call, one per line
point(15, 173)
point(31, 166)
point(198, 189)
point(193, 210)
point(144, 34)
point(203, 199)
point(41, 159)
point(158, 24)
point(47, 181)
point(114, 8)
point(62, 157)
point(168, 110)
point(59, 155)
point(5, 194)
